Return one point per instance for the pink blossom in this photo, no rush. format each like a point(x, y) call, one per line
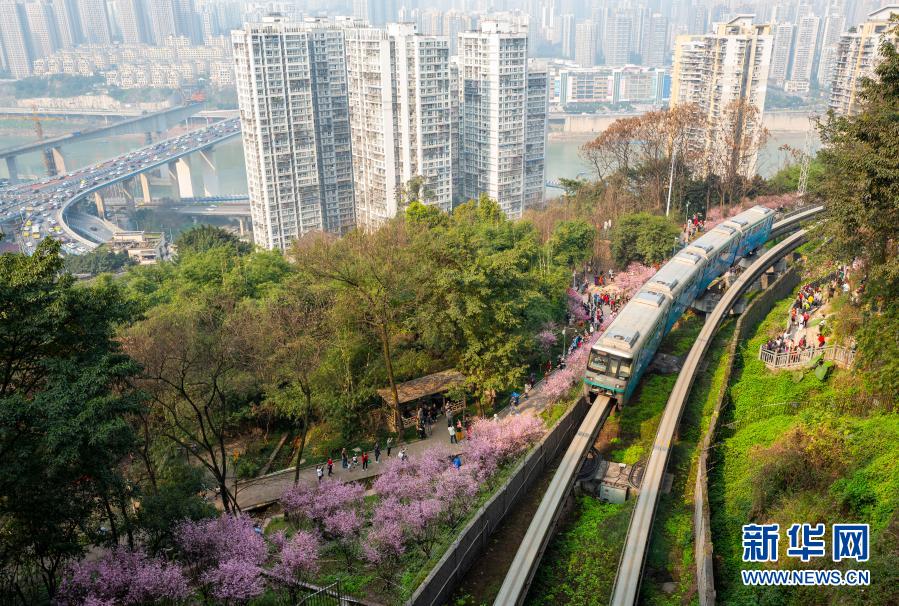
point(320, 502)
point(576, 306)
point(122, 576)
point(413, 478)
point(344, 523)
point(297, 556)
point(633, 278)
point(547, 339)
point(494, 443)
point(207, 543)
point(235, 579)
point(385, 540)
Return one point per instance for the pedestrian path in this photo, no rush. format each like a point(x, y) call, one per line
point(264, 490)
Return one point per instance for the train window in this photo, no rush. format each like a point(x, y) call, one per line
point(599, 362)
point(624, 371)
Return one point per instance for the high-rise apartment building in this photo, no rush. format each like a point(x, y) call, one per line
point(718, 72)
point(568, 35)
point(585, 51)
point(655, 40)
point(834, 23)
point(804, 52)
point(617, 41)
point(42, 27)
point(16, 39)
point(291, 83)
point(132, 26)
point(94, 20)
point(67, 23)
point(782, 46)
point(503, 117)
point(161, 22)
point(399, 94)
point(857, 55)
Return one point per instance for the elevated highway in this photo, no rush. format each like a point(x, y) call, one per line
point(157, 122)
point(44, 204)
point(627, 583)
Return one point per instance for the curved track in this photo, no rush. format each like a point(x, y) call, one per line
point(521, 572)
point(630, 568)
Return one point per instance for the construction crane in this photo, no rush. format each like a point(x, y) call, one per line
point(47, 154)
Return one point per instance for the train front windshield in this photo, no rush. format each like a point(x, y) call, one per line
point(603, 363)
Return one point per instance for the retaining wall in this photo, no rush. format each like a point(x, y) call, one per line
point(472, 540)
point(755, 312)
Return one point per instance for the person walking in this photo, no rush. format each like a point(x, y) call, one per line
point(389, 445)
point(320, 473)
point(403, 456)
point(330, 467)
point(452, 433)
point(343, 458)
point(377, 452)
point(364, 461)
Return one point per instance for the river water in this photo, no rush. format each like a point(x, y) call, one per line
point(562, 159)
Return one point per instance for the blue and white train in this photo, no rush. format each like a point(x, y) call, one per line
point(623, 352)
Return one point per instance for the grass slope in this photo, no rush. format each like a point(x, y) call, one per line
point(789, 452)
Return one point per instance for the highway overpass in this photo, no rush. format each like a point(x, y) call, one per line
point(157, 122)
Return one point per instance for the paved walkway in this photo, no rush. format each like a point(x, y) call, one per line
point(267, 489)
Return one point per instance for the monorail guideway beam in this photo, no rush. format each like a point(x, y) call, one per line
point(633, 556)
point(527, 558)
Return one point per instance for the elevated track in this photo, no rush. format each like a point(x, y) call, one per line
point(627, 582)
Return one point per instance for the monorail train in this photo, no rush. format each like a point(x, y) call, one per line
point(623, 352)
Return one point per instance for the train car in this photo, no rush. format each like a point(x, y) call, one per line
point(624, 351)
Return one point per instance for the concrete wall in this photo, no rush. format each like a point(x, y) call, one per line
point(472, 540)
point(757, 310)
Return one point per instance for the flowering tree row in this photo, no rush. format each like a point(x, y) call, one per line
point(225, 559)
point(415, 498)
point(219, 560)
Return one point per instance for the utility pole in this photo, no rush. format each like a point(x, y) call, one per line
point(670, 180)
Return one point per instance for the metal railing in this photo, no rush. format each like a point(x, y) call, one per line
point(791, 359)
point(332, 595)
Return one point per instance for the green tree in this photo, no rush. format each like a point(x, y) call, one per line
point(571, 242)
point(860, 180)
point(195, 374)
point(643, 237)
point(486, 292)
point(288, 335)
point(371, 274)
point(205, 237)
point(97, 261)
point(64, 406)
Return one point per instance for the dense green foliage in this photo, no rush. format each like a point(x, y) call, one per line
point(579, 565)
point(205, 237)
point(787, 179)
point(861, 186)
point(643, 237)
point(796, 451)
point(97, 261)
point(63, 407)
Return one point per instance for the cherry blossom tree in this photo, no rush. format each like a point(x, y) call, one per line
point(576, 306)
point(122, 577)
point(334, 507)
point(494, 443)
point(224, 556)
point(547, 339)
point(296, 557)
point(633, 278)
